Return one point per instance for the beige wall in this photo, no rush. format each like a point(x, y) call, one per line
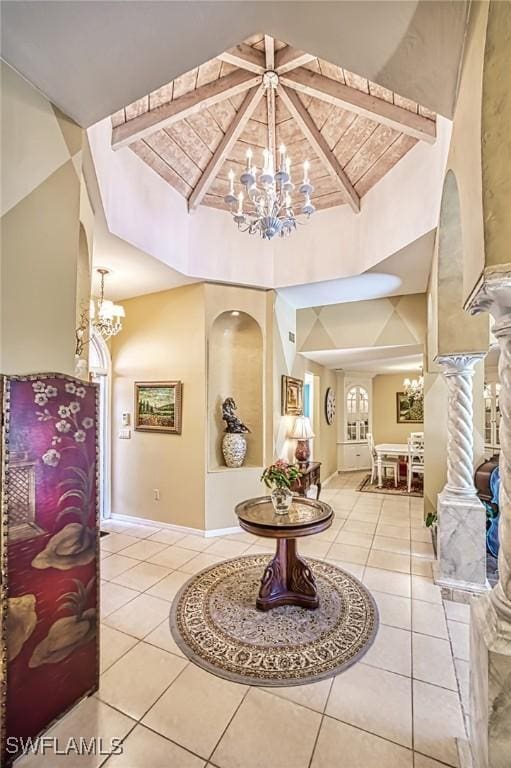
point(385, 426)
point(40, 231)
point(163, 338)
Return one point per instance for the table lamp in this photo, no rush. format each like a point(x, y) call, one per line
point(302, 431)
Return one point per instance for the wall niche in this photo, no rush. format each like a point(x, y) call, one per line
point(235, 369)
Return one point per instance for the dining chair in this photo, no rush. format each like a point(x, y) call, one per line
point(415, 464)
point(387, 462)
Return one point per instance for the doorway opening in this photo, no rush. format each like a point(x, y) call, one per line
point(100, 368)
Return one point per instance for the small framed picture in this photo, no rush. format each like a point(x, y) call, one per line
point(408, 411)
point(292, 396)
point(158, 406)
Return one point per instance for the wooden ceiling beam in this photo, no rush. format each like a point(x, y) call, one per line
point(272, 132)
point(245, 57)
point(269, 52)
point(333, 92)
point(189, 104)
point(224, 148)
point(318, 143)
point(289, 58)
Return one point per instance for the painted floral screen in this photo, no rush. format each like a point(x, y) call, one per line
point(49, 550)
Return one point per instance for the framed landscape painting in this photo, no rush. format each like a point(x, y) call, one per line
point(158, 406)
point(292, 396)
point(408, 410)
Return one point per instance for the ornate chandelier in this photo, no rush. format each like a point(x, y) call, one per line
point(105, 316)
point(414, 389)
point(263, 205)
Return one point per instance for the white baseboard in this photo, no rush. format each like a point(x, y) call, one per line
point(178, 528)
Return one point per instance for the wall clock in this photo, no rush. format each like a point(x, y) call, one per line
point(330, 405)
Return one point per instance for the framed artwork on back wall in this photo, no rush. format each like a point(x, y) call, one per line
point(292, 396)
point(158, 406)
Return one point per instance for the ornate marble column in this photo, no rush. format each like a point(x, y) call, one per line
point(461, 515)
point(490, 645)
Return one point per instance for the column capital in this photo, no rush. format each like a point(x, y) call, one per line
point(493, 295)
point(459, 363)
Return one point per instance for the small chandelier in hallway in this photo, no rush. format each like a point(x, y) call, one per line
point(105, 316)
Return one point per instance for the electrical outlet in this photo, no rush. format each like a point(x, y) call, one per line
point(156, 494)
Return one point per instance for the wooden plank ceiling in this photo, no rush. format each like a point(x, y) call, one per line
point(193, 130)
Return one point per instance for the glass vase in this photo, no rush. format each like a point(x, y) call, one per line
point(281, 499)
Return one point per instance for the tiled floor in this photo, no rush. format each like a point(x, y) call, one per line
point(399, 707)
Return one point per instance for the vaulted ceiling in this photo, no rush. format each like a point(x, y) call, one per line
point(195, 129)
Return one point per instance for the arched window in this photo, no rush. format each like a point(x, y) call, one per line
point(492, 416)
point(357, 413)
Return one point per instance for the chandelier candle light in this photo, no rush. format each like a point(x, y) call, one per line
point(105, 316)
point(414, 389)
point(265, 206)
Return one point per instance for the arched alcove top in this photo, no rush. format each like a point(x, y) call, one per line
point(235, 319)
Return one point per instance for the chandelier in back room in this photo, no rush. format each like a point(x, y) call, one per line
point(105, 316)
point(263, 203)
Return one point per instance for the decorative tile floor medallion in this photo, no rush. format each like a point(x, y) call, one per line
point(215, 623)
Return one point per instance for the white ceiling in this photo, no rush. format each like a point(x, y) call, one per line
point(371, 359)
point(92, 58)
point(405, 272)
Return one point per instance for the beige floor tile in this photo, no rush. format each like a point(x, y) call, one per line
point(421, 533)
point(172, 557)
point(167, 588)
point(355, 569)
point(242, 536)
point(460, 639)
point(114, 526)
point(143, 747)
point(391, 582)
point(143, 549)
point(260, 713)
point(197, 543)
point(422, 549)
point(167, 536)
point(313, 548)
point(141, 576)
point(114, 565)
point(354, 539)
point(133, 683)
point(103, 554)
point(162, 638)
point(364, 515)
point(360, 526)
point(113, 597)
point(389, 544)
point(393, 531)
point(140, 616)
point(374, 700)
point(311, 695)
point(426, 762)
point(396, 519)
point(348, 553)
point(389, 561)
point(343, 745)
point(195, 710)
point(424, 589)
point(429, 619)
point(91, 718)
point(225, 548)
point(140, 530)
point(115, 542)
point(113, 645)
point(329, 535)
point(432, 661)
point(394, 610)
point(437, 722)
point(419, 566)
point(199, 562)
point(457, 611)
point(463, 677)
point(391, 650)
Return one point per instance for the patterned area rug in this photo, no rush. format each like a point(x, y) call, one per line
point(388, 487)
point(216, 624)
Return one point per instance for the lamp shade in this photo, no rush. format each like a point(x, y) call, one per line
point(302, 429)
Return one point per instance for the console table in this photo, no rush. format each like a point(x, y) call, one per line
point(311, 475)
point(287, 579)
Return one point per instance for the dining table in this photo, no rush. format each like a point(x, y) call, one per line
point(392, 449)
